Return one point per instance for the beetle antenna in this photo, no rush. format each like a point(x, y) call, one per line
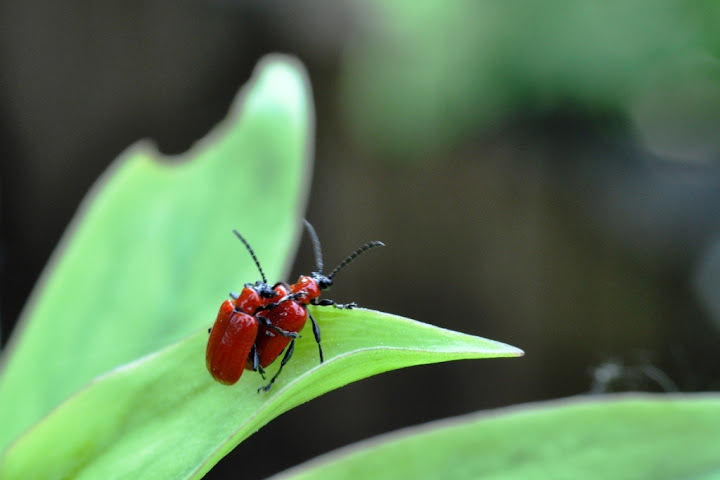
point(354, 255)
point(252, 254)
point(316, 246)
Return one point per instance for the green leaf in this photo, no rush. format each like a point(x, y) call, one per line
point(631, 436)
point(164, 414)
point(151, 254)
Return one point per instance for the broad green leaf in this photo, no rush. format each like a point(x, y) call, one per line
point(164, 414)
point(621, 436)
point(151, 255)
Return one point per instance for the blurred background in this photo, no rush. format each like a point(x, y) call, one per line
point(544, 174)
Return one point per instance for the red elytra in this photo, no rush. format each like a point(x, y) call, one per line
point(231, 344)
point(289, 315)
point(280, 313)
point(231, 339)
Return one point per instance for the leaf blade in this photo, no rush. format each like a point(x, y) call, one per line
point(617, 436)
point(150, 254)
point(177, 422)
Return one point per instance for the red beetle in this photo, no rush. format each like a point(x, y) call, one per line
point(232, 337)
point(290, 313)
point(280, 313)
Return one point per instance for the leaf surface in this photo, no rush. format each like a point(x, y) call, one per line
point(151, 255)
point(164, 414)
point(621, 436)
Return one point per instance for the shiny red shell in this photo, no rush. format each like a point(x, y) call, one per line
point(308, 288)
point(249, 301)
point(237, 327)
point(230, 342)
point(289, 315)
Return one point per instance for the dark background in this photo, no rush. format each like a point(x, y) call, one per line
point(543, 175)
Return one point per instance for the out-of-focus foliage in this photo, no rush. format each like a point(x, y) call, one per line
point(658, 437)
point(440, 71)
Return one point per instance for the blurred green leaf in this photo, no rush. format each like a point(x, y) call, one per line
point(164, 414)
point(422, 75)
point(150, 255)
point(631, 437)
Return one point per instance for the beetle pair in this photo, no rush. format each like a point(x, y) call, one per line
point(253, 328)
